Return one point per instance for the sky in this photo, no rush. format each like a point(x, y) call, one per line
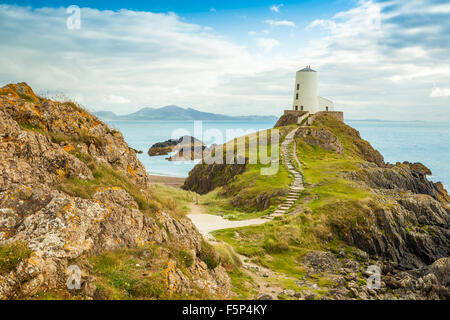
point(385, 60)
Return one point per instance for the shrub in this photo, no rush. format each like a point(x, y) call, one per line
point(26, 97)
point(273, 246)
point(186, 258)
point(75, 106)
point(12, 254)
point(208, 255)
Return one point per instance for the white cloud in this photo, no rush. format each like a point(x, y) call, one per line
point(387, 54)
point(267, 43)
point(112, 99)
point(377, 60)
point(145, 58)
point(212, 10)
point(440, 92)
point(440, 9)
point(252, 33)
point(276, 8)
point(277, 23)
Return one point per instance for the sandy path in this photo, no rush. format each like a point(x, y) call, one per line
point(168, 181)
point(207, 223)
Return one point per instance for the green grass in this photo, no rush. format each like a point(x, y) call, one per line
point(139, 273)
point(105, 176)
point(120, 277)
point(209, 255)
point(175, 199)
point(12, 254)
point(250, 194)
point(217, 204)
point(26, 97)
point(243, 286)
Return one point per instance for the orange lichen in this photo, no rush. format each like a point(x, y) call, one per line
point(131, 171)
point(68, 148)
point(62, 172)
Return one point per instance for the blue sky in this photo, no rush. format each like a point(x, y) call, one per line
point(376, 59)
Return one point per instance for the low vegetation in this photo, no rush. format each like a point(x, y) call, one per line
point(12, 254)
point(140, 273)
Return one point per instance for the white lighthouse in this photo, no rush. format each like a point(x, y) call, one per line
point(306, 96)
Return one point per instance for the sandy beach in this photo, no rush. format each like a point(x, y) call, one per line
point(167, 181)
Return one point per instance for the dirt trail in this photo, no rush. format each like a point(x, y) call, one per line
point(264, 279)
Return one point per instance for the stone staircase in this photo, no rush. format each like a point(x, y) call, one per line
point(297, 185)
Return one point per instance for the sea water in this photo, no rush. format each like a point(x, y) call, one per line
point(423, 142)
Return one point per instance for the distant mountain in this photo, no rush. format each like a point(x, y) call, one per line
point(177, 113)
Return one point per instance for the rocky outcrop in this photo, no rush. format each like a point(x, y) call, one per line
point(192, 152)
point(71, 127)
point(186, 148)
point(350, 271)
point(206, 177)
point(166, 147)
point(286, 119)
point(412, 233)
point(404, 176)
point(355, 143)
point(321, 137)
point(44, 144)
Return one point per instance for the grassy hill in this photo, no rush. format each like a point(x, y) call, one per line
point(355, 211)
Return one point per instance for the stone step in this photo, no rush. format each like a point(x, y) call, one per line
point(283, 207)
point(277, 215)
point(279, 211)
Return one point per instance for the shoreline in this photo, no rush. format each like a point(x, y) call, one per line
point(175, 182)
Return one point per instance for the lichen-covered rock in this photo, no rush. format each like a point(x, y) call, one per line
point(70, 125)
point(38, 140)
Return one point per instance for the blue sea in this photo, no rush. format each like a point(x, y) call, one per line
point(423, 142)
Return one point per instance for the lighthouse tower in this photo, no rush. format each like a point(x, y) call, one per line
point(306, 96)
point(306, 91)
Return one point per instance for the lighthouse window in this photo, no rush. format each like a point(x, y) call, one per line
point(298, 86)
point(302, 108)
point(296, 96)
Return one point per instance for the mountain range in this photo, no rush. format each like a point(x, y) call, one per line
point(177, 113)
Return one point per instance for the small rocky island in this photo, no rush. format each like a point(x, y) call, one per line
point(194, 146)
